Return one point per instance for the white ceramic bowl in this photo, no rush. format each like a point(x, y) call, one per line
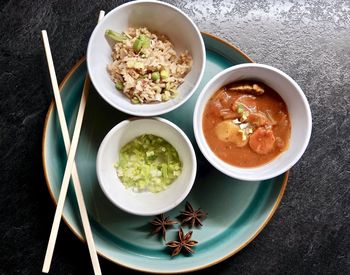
point(145, 203)
point(299, 113)
point(157, 16)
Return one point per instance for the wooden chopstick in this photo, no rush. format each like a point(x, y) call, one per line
point(71, 166)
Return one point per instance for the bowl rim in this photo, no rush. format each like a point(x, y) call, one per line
point(190, 150)
point(141, 113)
point(210, 155)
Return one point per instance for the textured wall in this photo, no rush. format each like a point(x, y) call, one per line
point(309, 40)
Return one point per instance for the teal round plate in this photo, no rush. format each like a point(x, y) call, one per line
point(237, 210)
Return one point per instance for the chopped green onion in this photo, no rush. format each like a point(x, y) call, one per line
point(240, 108)
point(115, 36)
point(245, 116)
point(135, 100)
point(148, 163)
point(164, 74)
point(146, 41)
point(137, 45)
point(142, 41)
point(119, 85)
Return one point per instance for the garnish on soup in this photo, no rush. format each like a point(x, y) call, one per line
point(148, 163)
point(246, 124)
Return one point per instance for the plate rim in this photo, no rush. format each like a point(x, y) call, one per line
point(80, 236)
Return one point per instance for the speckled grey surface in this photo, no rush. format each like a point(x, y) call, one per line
point(309, 40)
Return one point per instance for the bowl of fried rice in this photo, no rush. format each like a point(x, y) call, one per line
point(146, 58)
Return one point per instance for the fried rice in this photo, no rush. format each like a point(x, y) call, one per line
point(146, 67)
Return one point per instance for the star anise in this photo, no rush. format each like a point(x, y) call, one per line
point(191, 216)
point(183, 242)
point(161, 223)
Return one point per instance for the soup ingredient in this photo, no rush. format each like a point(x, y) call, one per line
point(258, 119)
point(255, 89)
point(244, 103)
point(161, 223)
point(246, 124)
point(148, 163)
point(262, 141)
point(147, 65)
point(228, 131)
point(191, 216)
point(184, 242)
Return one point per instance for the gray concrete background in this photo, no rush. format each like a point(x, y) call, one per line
point(309, 40)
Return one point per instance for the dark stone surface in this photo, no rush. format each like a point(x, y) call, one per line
point(309, 40)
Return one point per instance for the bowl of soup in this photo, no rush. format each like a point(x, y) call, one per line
point(252, 122)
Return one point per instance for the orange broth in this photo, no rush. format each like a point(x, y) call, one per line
point(261, 146)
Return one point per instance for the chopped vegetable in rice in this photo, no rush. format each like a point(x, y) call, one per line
point(145, 65)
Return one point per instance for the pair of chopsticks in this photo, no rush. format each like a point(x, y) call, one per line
point(71, 168)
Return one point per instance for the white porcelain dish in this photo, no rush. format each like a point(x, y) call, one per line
point(157, 16)
point(145, 203)
point(299, 113)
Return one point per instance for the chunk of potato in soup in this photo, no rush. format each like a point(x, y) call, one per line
point(246, 124)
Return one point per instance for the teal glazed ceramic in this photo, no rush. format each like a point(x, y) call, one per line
point(237, 210)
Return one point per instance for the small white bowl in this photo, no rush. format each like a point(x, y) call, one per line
point(157, 16)
point(299, 114)
point(145, 203)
